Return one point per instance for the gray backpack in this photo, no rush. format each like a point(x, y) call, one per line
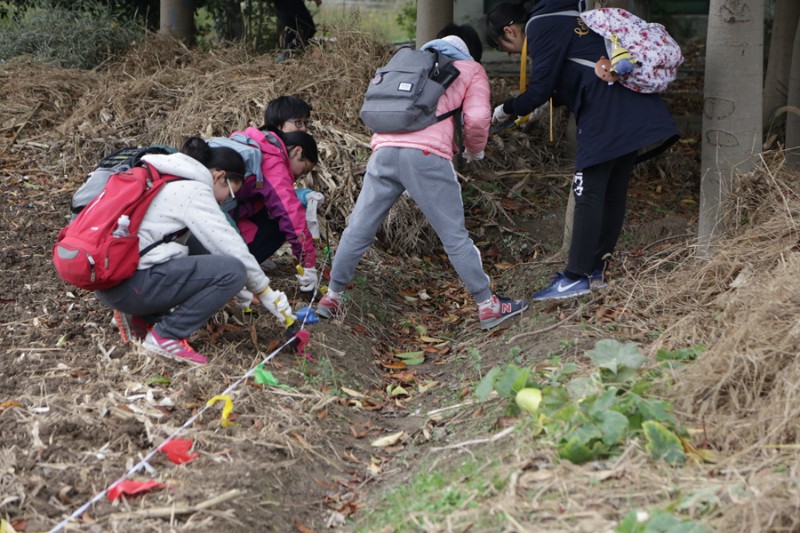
point(403, 95)
point(119, 161)
point(248, 149)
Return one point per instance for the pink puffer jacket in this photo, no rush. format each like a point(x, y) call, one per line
point(471, 91)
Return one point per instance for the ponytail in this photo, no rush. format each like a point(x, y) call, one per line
point(217, 157)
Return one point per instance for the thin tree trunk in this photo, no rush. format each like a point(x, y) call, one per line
point(793, 113)
point(784, 28)
point(432, 16)
point(731, 107)
point(177, 19)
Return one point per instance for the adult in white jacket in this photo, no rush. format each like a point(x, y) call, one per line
point(420, 163)
point(173, 293)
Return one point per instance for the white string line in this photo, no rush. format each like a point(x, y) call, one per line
point(141, 464)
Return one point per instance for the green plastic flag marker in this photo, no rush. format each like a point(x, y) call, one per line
point(264, 377)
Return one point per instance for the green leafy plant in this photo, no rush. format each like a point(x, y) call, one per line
point(591, 417)
point(407, 18)
point(657, 521)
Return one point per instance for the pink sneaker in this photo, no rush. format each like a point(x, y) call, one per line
point(177, 349)
point(330, 306)
point(131, 328)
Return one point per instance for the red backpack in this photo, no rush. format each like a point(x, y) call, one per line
point(100, 248)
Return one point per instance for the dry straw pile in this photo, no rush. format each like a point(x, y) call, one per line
point(162, 92)
point(743, 303)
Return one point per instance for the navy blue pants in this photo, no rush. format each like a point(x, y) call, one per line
point(269, 236)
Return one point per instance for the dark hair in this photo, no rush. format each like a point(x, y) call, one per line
point(499, 17)
point(302, 139)
point(282, 109)
point(468, 34)
point(217, 157)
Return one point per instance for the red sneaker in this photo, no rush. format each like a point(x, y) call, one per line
point(330, 306)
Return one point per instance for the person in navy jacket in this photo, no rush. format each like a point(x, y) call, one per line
point(613, 124)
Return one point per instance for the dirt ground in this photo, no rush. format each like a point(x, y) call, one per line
point(79, 410)
point(298, 457)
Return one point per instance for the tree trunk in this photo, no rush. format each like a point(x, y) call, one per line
point(784, 28)
point(177, 19)
point(432, 16)
point(732, 105)
point(228, 20)
point(793, 113)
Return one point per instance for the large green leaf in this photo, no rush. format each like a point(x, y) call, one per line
point(603, 402)
point(663, 443)
point(614, 426)
point(584, 434)
point(486, 386)
point(575, 452)
point(612, 355)
point(583, 387)
point(512, 380)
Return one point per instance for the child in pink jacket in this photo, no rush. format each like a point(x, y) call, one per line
point(420, 162)
point(270, 213)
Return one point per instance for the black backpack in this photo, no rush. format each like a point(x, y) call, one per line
point(118, 161)
point(403, 95)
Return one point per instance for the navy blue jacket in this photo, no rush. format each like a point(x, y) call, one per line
point(611, 120)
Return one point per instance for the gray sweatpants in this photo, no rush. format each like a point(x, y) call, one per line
point(431, 182)
point(179, 296)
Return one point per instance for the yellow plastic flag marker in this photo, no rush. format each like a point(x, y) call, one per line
point(226, 409)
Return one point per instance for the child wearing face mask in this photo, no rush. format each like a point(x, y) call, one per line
point(173, 293)
point(270, 213)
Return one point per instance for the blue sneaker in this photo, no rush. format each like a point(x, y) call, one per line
point(562, 287)
point(597, 280)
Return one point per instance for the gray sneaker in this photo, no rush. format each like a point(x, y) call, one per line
point(500, 309)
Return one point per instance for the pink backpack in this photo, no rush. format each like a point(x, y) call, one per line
point(654, 54)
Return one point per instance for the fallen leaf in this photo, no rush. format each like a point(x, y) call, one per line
point(352, 393)
point(427, 385)
point(388, 440)
point(408, 355)
point(406, 376)
point(394, 365)
point(431, 340)
point(9, 404)
point(399, 391)
point(302, 528)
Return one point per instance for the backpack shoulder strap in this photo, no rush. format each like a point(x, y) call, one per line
point(155, 182)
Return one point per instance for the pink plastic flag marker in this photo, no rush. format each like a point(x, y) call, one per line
point(303, 337)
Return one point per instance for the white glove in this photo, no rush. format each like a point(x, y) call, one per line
point(499, 115)
point(313, 199)
point(307, 278)
point(277, 304)
point(469, 157)
point(244, 300)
